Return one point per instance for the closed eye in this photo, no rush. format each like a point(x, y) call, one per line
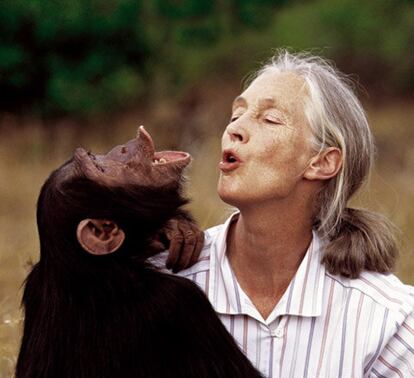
point(273, 118)
point(274, 121)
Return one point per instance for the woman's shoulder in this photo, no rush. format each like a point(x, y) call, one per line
point(385, 290)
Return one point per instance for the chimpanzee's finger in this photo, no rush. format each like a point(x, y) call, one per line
point(197, 248)
point(187, 249)
point(176, 239)
point(156, 246)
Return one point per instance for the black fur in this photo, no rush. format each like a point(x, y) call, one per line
point(115, 315)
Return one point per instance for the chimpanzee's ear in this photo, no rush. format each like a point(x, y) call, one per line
point(99, 236)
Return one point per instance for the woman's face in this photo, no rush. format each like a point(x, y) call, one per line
point(266, 146)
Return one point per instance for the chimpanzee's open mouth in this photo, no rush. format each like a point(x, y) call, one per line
point(165, 157)
point(178, 158)
point(141, 150)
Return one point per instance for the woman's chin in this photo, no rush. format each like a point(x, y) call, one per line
point(231, 197)
point(236, 194)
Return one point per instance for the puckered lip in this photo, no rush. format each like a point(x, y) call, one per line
point(230, 160)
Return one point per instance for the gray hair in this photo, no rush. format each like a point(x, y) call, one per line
point(356, 239)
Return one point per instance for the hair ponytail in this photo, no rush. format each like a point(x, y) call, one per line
point(362, 240)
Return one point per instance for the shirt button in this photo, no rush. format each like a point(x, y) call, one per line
point(277, 332)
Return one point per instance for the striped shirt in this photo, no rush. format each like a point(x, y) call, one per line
point(323, 326)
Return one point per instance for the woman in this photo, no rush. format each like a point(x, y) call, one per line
point(301, 280)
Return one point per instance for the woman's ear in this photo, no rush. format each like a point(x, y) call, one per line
point(99, 236)
point(324, 165)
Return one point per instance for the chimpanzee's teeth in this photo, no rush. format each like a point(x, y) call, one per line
point(159, 161)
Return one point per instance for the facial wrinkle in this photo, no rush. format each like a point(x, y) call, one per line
point(275, 155)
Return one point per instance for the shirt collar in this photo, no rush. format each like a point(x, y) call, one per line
point(224, 291)
point(303, 297)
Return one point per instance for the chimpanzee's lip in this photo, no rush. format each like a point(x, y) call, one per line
point(163, 158)
point(144, 134)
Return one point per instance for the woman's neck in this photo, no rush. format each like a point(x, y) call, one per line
point(265, 246)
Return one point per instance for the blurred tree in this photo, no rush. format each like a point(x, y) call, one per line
point(372, 38)
point(71, 56)
point(90, 56)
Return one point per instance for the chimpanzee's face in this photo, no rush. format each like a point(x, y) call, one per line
point(133, 163)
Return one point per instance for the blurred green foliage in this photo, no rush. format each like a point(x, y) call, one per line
point(84, 57)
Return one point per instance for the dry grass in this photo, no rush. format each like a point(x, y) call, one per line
point(29, 153)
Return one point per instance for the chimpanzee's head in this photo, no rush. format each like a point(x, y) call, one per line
point(101, 204)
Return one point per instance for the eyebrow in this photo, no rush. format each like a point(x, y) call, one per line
point(266, 102)
point(271, 102)
point(239, 101)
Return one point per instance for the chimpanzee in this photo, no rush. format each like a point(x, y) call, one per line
point(94, 305)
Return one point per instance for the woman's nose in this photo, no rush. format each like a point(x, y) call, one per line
point(237, 133)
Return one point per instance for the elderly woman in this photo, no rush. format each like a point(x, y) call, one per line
point(299, 279)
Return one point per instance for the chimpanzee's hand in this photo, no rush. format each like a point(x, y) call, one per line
point(184, 241)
